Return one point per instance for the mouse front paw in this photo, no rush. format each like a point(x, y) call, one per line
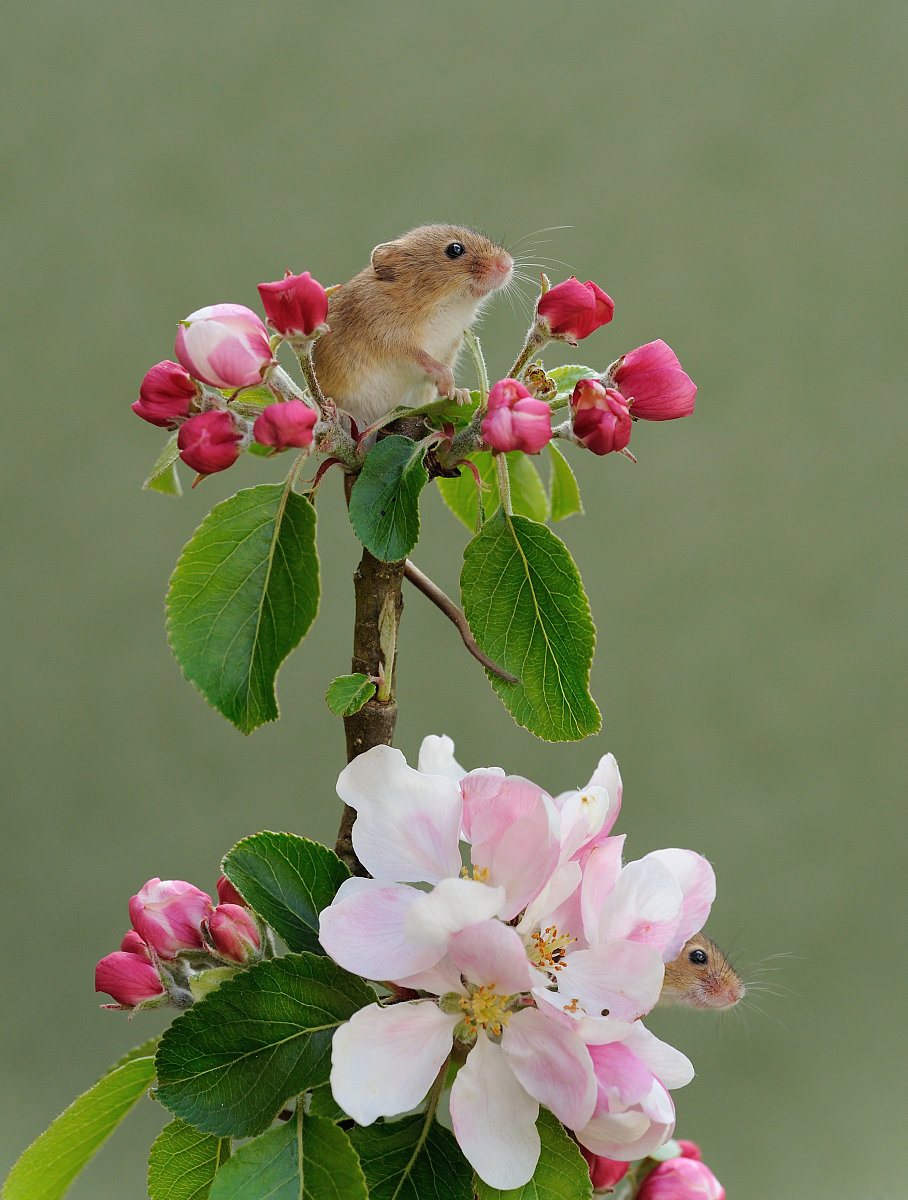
point(462, 396)
point(443, 378)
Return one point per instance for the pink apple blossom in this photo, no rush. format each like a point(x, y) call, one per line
point(284, 425)
point(515, 420)
point(129, 978)
point(295, 305)
point(168, 914)
point(600, 417)
point(224, 345)
point(234, 934)
point(573, 310)
point(166, 395)
point(210, 441)
point(682, 1178)
point(654, 384)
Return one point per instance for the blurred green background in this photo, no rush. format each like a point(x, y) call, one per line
point(734, 176)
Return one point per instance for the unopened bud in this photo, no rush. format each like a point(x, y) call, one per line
point(284, 425)
point(515, 420)
point(129, 979)
point(168, 914)
point(233, 933)
point(656, 387)
point(573, 310)
point(210, 441)
point(225, 345)
point(295, 305)
point(166, 395)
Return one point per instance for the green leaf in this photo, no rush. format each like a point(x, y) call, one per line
point(323, 1104)
point(524, 601)
point(527, 493)
point(163, 476)
point(404, 1160)
point(231, 1062)
point(565, 492)
point(307, 1159)
point(384, 503)
point(565, 379)
point(288, 880)
point(561, 1174)
point(243, 594)
point(183, 1162)
point(50, 1164)
point(348, 693)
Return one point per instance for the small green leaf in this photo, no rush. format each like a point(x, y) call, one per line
point(565, 492)
point(288, 880)
point(243, 594)
point(47, 1168)
point(163, 476)
point(231, 1062)
point(528, 496)
point(527, 493)
point(561, 1173)
point(565, 379)
point(348, 693)
point(323, 1104)
point(307, 1159)
point(404, 1160)
point(384, 503)
point(183, 1162)
point(524, 601)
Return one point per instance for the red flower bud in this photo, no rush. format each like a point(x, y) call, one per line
point(168, 914)
point(209, 442)
point(516, 420)
point(227, 893)
point(225, 345)
point(166, 394)
point(681, 1179)
point(656, 387)
point(603, 1171)
point(573, 309)
point(233, 933)
point(286, 424)
point(133, 944)
point(295, 305)
point(601, 420)
point(128, 978)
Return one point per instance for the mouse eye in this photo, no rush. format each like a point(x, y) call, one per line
point(455, 250)
point(699, 957)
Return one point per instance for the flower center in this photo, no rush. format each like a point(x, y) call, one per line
point(485, 1009)
point(480, 874)
point(549, 948)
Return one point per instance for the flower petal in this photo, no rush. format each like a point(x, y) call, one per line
point(384, 1060)
point(697, 881)
point(363, 930)
point(624, 1135)
point(494, 1119)
point(443, 977)
point(552, 1064)
point(407, 826)
point(645, 905)
point(492, 954)
point(436, 757)
point(672, 1068)
point(601, 870)
point(452, 905)
point(618, 979)
point(562, 885)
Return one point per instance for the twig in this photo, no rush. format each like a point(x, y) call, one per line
point(453, 613)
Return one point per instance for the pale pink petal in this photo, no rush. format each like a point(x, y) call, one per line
point(621, 1077)
point(493, 801)
point(672, 1068)
point(563, 884)
point(363, 931)
point(697, 881)
point(493, 955)
point(601, 870)
point(619, 979)
point(606, 776)
point(436, 757)
point(552, 1064)
point(407, 826)
point(452, 905)
point(624, 1135)
point(384, 1060)
point(583, 815)
point(443, 977)
point(645, 905)
point(494, 1119)
point(522, 855)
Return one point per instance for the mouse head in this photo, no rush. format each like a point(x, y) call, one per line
point(702, 977)
point(441, 260)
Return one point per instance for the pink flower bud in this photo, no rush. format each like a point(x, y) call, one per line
point(603, 1171)
point(133, 944)
point(168, 914)
point(515, 420)
point(295, 305)
point(128, 978)
point(209, 442)
point(227, 893)
point(165, 395)
point(286, 424)
point(225, 345)
point(233, 933)
point(573, 309)
point(601, 420)
point(690, 1150)
point(681, 1179)
point(656, 387)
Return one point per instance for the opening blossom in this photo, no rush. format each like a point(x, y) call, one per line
point(654, 384)
point(531, 964)
point(224, 345)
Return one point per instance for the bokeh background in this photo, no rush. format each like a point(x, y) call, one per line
point(734, 176)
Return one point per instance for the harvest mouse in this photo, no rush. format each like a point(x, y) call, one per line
point(398, 326)
point(701, 977)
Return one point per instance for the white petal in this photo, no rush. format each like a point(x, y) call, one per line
point(645, 905)
point(407, 826)
point(561, 885)
point(697, 881)
point(494, 1119)
point(492, 954)
point(583, 815)
point(436, 757)
point(443, 977)
point(452, 905)
point(552, 1064)
point(624, 1135)
point(601, 871)
point(364, 930)
point(669, 1065)
point(384, 1060)
point(618, 979)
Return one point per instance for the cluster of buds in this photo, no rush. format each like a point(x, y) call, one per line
point(177, 931)
point(226, 348)
point(681, 1176)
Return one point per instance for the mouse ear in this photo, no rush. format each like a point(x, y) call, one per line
point(381, 260)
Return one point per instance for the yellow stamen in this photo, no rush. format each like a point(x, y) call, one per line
point(487, 1009)
point(549, 948)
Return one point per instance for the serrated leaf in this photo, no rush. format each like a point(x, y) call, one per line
point(183, 1162)
point(524, 601)
point(384, 503)
point(163, 476)
point(243, 594)
point(348, 693)
point(565, 494)
point(561, 1173)
point(288, 880)
point(307, 1159)
point(405, 1160)
point(47, 1168)
point(231, 1062)
point(527, 493)
point(565, 379)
